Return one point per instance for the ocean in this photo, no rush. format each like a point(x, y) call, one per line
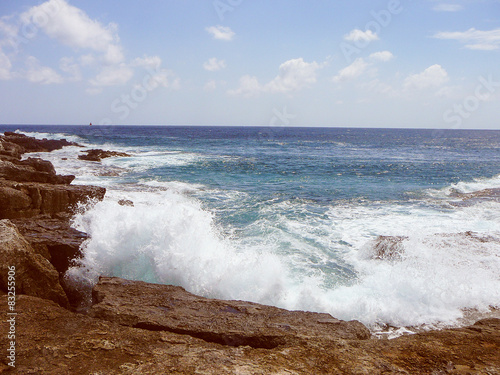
point(293, 217)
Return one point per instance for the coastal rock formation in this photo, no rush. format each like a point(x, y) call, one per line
point(134, 327)
point(32, 144)
point(388, 247)
point(56, 341)
point(98, 155)
point(35, 275)
point(234, 323)
point(24, 200)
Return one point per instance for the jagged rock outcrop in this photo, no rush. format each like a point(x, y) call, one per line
point(98, 155)
point(24, 200)
point(32, 144)
point(35, 275)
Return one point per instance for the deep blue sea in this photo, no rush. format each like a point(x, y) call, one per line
point(291, 216)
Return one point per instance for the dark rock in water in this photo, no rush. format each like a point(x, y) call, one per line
point(97, 155)
point(236, 323)
point(469, 199)
point(126, 202)
point(31, 144)
point(389, 247)
point(34, 275)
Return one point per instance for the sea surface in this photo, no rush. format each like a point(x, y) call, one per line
point(292, 216)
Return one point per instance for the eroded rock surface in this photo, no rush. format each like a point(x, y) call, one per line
point(35, 275)
point(235, 323)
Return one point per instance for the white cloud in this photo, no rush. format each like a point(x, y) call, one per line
point(210, 85)
point(448, 8)
point(40, 74)
point(357, 35)
point(383, 56)
point(73, 27)
point(293, 75)
point(352, 71)
point(433, 76)
point(474, 39)
point(249, 86)
point(152, 62)
point(221, 32)
point(5, 66)
point(213, 64)
point(113, 75)
point(68, 65)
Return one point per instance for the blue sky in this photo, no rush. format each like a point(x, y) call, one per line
point(361, 63)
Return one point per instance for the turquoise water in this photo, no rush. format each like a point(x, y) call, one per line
point(290, 216)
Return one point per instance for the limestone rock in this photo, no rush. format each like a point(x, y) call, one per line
point(35, 275)
point(236, 323)
point(56, 341)
point(29, 199)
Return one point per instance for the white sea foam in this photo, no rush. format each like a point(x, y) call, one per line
point(169, 238)
point(284, 258)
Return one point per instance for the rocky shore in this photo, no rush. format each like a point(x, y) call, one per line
point(132, 327)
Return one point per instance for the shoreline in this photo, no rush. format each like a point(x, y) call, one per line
point(170, 326)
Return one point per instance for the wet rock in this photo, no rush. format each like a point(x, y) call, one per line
point(388, 247)
point(235, 323)
point(98, 155)
point(34, 275)
point(126, 202)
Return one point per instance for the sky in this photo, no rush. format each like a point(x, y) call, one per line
point(359, 63)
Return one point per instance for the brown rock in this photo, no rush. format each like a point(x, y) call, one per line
point(55, 341)
point(97, 154)
point(236, 323)
point(31, 144)
point(35, 275)
point(32, 170)
point(21, 200)
point(388, 247)
point(56, 236)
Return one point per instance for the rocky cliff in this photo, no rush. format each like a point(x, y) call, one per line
point(134, 327)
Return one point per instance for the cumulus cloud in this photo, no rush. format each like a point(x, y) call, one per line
point(152, 62)
point(221, 32)
point(210, 85)
point(293, 75)
point(433, 76)
point(73, 27)
point(249, 86)
point(474, 39)
point(357, 35)
point(383, 56)
point(68, 65)
point(358, 67)
point(113, 75)
point(213, 64)
point(41, 74)
point(448, 7)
